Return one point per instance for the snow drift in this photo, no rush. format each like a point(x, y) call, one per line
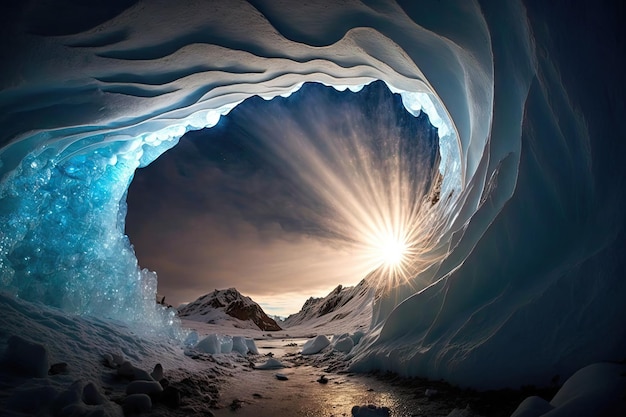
point(531, 282)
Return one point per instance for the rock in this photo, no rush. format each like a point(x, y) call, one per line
point(58, 368)
point(236, 404)
point(144, 387)
point(281, 377)
point(157, 373)
point(73, 395)
point(370, 411)
point(91, 395)
point(137, 403)
point(108, 361)
point(118, 359)
point(322, 379)
point(27, 358)
point(128, 371)
point(171, 397)
point(430, 392)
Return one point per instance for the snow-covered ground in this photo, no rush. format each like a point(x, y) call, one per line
point(35, 340)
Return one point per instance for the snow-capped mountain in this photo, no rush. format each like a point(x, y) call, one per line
point(223, 305)
point(343, 306)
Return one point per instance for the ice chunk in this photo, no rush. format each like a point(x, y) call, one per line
point(357, 336)
point(210, 344)
point(226, 343)
point(240, 346)
point(252, 346)
point(344, 344)
point(191, 339)
point(215, 343)
point(315, 345)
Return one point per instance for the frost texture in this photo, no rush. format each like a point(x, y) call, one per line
point(532, 281)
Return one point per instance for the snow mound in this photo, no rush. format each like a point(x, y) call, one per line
point(271, 364)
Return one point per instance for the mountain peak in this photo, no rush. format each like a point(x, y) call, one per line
point(230, 302)
point(341, 304)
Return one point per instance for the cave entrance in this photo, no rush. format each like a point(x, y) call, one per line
point(285, 199)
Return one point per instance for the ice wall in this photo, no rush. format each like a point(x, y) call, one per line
point(532, 233)
point(539, 293)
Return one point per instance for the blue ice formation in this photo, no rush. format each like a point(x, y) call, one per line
point(529, 96)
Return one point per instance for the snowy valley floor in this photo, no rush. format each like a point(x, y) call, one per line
point(92, 384)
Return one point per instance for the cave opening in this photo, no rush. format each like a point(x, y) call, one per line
point(286, 198)
point(65, 241)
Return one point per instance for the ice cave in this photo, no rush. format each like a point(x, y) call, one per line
point(528, 281)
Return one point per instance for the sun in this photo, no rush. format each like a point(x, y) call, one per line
point(392, 251)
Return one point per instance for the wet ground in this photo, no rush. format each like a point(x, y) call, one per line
point(259, 393)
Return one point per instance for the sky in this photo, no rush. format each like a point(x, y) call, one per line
point(282, 198)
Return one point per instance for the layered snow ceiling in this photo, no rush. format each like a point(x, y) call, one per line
point(526, 97)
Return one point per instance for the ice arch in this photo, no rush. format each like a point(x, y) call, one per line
point(531, 282)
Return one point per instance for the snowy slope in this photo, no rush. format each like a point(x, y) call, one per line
point(228, 306)
point(346, 308)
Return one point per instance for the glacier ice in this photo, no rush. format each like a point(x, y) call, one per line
point(531, 281)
